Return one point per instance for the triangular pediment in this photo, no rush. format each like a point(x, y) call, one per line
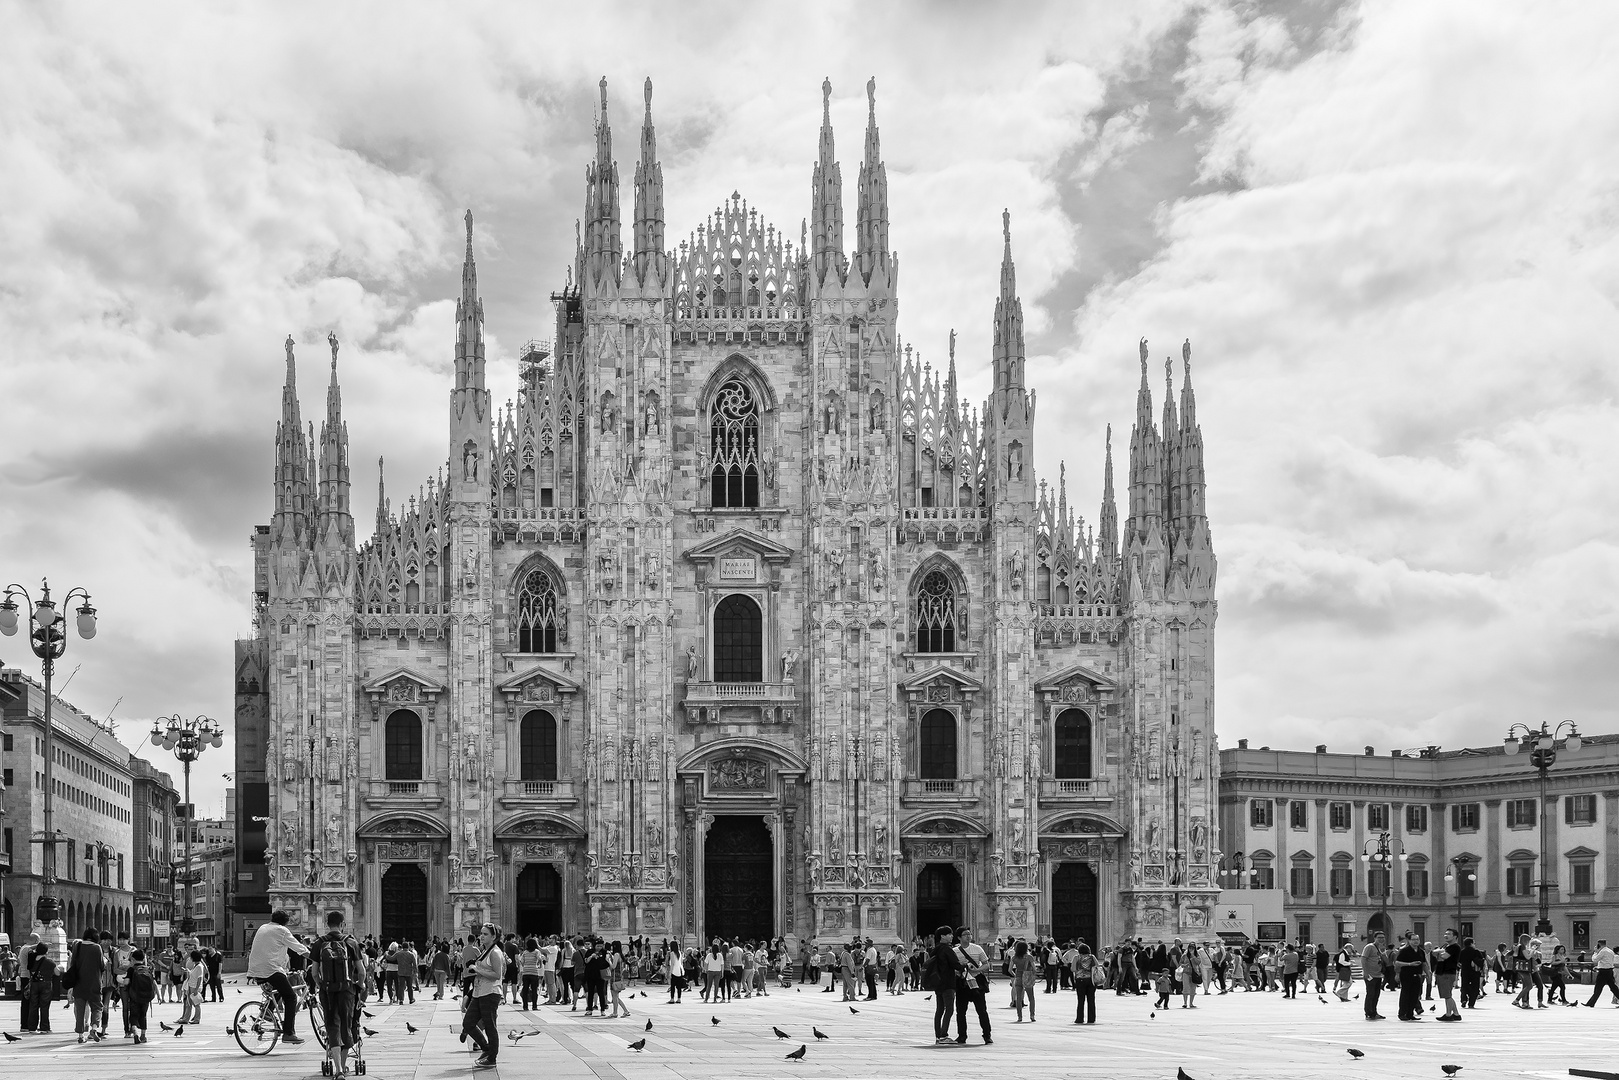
point(941, 673)
point(739, 542)
point(517, 684)
point(1058, 679)
point(422, 682)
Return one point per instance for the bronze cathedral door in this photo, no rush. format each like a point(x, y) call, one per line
point(739, 893)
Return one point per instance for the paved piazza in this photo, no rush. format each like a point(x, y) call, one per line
point(1240, 1035)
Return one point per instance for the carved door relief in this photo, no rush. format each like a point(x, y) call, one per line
point(739, 893)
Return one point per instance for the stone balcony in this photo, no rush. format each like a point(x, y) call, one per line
point(741, 702)
point(1073, 792)
point(403, 795)
point(550, 794)
point(939, 793)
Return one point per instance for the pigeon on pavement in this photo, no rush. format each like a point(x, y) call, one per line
point(714, 1020)
point(1356, 1054)
point(798, 1055)
point(819, 1034)
point(780, 1034)
point(649, 1025)
point(410, 1027)
point(1182, 1074)
point(638, 1045)
point(369, 1033)
point(10, 1037)
point(1450, 1070)
point(164, 1026)
point(854, 1010)
point(179, 1031)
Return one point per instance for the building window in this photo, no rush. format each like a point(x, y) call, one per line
point(1520, 813)
point(1298, 814)
point(1262, 875)
point(538, 755)
point(1519, 929)
point(1420, 928)
point(403, 746)
point(1466, 929)
point(1464, 817)
point(938, 745)
point(936, 614)
point(1416, 882)
point(1340, 815)
point(1518, 879)
point(1072, 746)
point(738, 641)
point(5, 742)
point(733, 421)
point(1301, 882)
point(1580, 810)
point(1467, 880)
point(1416, 819)
point(1304, 929)
point(1377, 881)
point(1343, 881)
point(1581, 935)
point(1259, 811)
point(538, 615)
point(1582, 878)
point(5, 777)
point(1377, 817)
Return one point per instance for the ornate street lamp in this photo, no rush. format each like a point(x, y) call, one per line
point(1542, 747)
point(1461, 869)
point(1232, 870)
point(1382, 851)
point(186, 740)
point(47, 636)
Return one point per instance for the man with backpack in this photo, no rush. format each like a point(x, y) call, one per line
point(337, 966)
point(139, 990)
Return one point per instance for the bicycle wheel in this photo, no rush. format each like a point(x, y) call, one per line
point(257, 1027)
point(317, 1021)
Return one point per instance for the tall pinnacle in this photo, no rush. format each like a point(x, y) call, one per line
point(382, 500)
point(291, 459)
point(826, 197)
point(648, 194)
point(1008, 355)
point(603, 246)
point(469, 363)
point(334, 457)
point(1110, 512)
point(871, 215)
point(1146, 494)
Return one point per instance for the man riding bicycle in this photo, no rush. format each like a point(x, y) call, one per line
point(268, 961)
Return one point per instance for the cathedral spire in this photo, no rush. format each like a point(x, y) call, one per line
point(602, 244)
point(871, 216)
point(334, 462)
point(1191, 445)
point(1170, 458)
point(469, 363)
point(1008, 317)
point(1110, 512)
point(826, 198)
point(1146, 478)
point(291, 462)
point(382, 500)
point(648, 197)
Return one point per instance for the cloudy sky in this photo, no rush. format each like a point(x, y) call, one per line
point(1391, 231)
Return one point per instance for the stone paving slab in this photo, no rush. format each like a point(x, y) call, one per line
point(1238, 1035)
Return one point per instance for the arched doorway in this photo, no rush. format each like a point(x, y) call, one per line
point(1380, 923)
point(1073, 904)
point(738, 886)
point(539, 900)
point(938, 898)
point(404, 904)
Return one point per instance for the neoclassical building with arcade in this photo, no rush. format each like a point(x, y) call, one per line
point(737, 620)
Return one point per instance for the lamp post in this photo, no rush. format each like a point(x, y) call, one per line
point(1382, 851)
point(1231, 869)
point(1542, 747)
point(47, 636)
point(1460, 871)
point(187, 739)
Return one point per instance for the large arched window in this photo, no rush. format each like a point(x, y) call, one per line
point(938, 745)
point(733, 421)
point(539, 746)
point(738, 640)
point(538, 615)
point(1071, 758)
point(936, 614)
point(403, 746)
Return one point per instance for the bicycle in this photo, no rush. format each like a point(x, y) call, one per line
point(258, 1023)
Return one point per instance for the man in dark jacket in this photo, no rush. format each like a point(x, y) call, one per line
point(942, 973)
point(86, 964)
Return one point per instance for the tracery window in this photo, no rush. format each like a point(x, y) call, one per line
point(539, 618)
point(734, 446)
point(936, 614)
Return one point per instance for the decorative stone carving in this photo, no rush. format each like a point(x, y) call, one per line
point(736, 774)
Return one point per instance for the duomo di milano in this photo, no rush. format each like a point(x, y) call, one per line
point(737, 621)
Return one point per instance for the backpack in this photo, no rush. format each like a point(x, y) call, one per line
point(336, 961)
point(929, 979)
point(141, 987)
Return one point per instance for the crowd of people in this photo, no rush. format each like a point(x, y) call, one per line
point(487, 969)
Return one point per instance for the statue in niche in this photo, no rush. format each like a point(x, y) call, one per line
point(469, 463)
point(311, 870)
point(1153, 828)
point(1135, 869)
point(332, 829)
point(834, 570)
point(291, 763)
point(654, 834)
point(834, 844)
point(289, 836)
point(769, 464)
point(789, 665)
point(1017, 841)
point(1017, 568)
point(694, 663)
point(997, 862)
point(609, 415)
point(1200, 838)
point(1177, 766)
point(471, 758)
point(812, 864)
point(879, 838)
point(334, 761)
point(650, 425)
point(876, 572)
point(1014, 462)
point(876, 410)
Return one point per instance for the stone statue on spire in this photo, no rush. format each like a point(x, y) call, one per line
point(1143, 355)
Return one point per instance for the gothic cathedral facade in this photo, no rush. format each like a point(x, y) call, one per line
point(738, 621)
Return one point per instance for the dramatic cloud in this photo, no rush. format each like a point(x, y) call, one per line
point(1392, 232)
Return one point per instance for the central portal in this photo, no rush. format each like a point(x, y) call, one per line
point(539, 901)
point(1073, 904)
point(738, 886)
point(404, 904)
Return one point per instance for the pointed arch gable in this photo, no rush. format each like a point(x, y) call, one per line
point(741, 367)
point(938, 561)
point(538, 561)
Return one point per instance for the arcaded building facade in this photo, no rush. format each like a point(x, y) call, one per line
point(737, 620)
